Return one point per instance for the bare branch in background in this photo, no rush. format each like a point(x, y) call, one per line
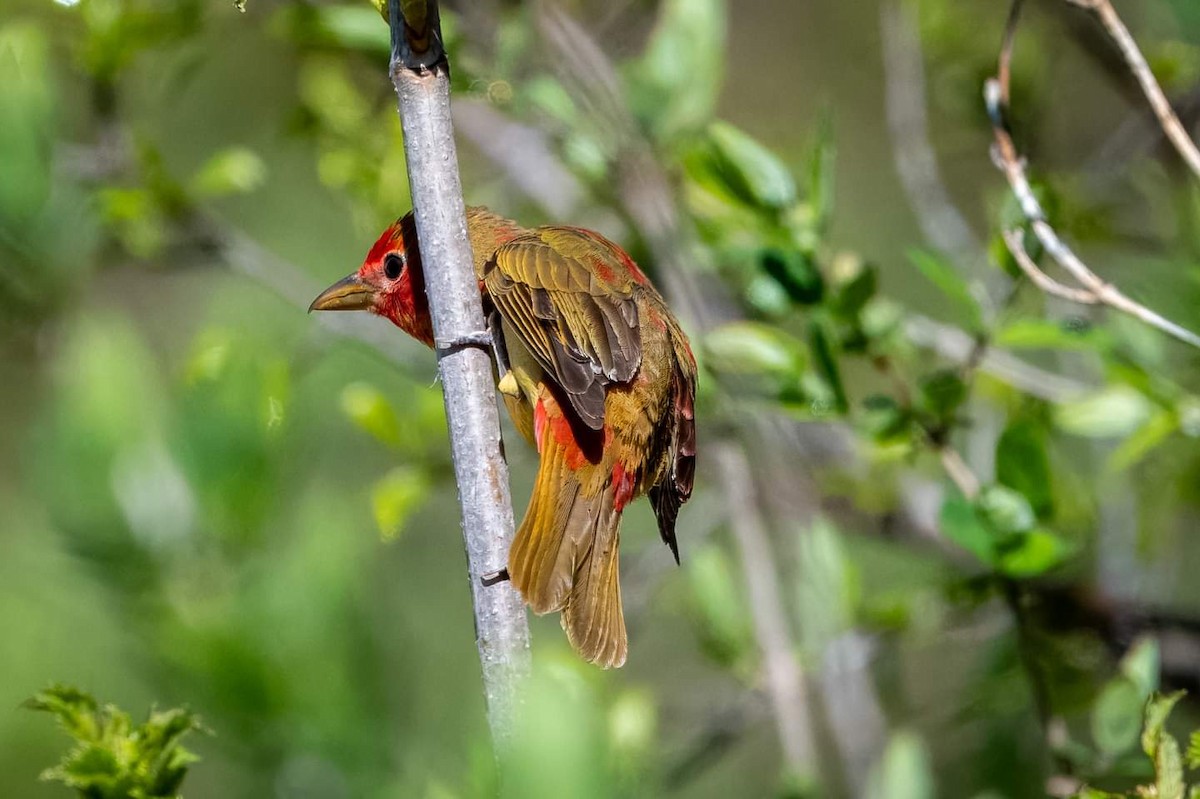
point(421, 76)
point(941, 222)
point(785, 679)
point(1004, 151)
point(1167, 118)
point(954, 344)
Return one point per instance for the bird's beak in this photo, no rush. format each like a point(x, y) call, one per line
point(348, 294)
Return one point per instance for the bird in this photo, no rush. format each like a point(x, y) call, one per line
point(597, 375)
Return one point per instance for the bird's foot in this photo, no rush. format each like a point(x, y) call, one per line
point(493, 578)
point(479, 338)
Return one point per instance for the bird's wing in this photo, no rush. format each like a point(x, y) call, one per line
point(577, 314)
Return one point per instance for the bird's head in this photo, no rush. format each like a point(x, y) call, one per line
point(389, 283)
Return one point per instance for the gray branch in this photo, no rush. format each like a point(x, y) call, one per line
point(421, 76)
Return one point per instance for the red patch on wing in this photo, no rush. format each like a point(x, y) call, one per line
point(539, 423)
point(625, 483)
point(547, 415)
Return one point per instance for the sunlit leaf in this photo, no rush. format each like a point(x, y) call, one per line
point(751, 347)
point(1111, 412)
point(1006, 510)
point(751, 171)
point(1033, 553)
point(237, 170)
point(394, 497)
point(371, 411)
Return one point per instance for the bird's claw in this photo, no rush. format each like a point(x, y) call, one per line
point(492, 578)
point(479, 338)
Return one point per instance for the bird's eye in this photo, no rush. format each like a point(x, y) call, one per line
point(393, 265)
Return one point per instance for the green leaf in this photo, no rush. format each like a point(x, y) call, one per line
point(1032, 553)
point(904, 771)
point(1157, 430)
point(752, 172)
point(884, 420)
point(1023, 464)
point(1023, 334)
point(674, 86)
point(947, 279)
point(853, 291)
point(1168, 768)
point(1193, 750)
point(1109, 413)
point(1117, 716)
point(821, 172)
point(395, 497)
point(371, 411)
point(753, 348)
point(113, 758)
point(1140, 665)
point(237, 170)
point(1007, 511)
point(827, 365)
point(941, 394)
point(796, 273)
point(962, 525)
point(1157, 710)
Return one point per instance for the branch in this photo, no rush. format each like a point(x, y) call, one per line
point(421, 75)
point(916, 163)
point(1167, 118)
point(1004, 151)
point(785, 679)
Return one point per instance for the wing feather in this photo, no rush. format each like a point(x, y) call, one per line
point(581, 327)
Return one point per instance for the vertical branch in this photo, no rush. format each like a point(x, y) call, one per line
point(785, 680)
point(421, 75)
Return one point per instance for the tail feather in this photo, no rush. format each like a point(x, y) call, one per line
point(593, 617)
point(564, 558)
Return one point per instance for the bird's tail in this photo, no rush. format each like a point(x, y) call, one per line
point(564, 558)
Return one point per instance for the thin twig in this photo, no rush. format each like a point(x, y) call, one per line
point(959, 472)
point(996, 96)
point(421, 76)
point(1016, 245)
point(1167, 118)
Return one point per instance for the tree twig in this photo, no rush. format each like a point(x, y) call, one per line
point(1004, 151)
point(1167, 118)
point(421, 76)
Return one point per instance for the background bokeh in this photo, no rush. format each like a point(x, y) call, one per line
point(209, 498)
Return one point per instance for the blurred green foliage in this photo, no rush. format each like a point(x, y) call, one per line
point(209, 500)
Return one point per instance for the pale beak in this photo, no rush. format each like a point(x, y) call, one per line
point(348, 294)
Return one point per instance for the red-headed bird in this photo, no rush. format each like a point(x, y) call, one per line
point(596, 374)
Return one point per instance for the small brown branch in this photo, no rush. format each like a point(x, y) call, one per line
point(959, 472)
point(1010, 162)
point(1167, 118)
point(1016, 245)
